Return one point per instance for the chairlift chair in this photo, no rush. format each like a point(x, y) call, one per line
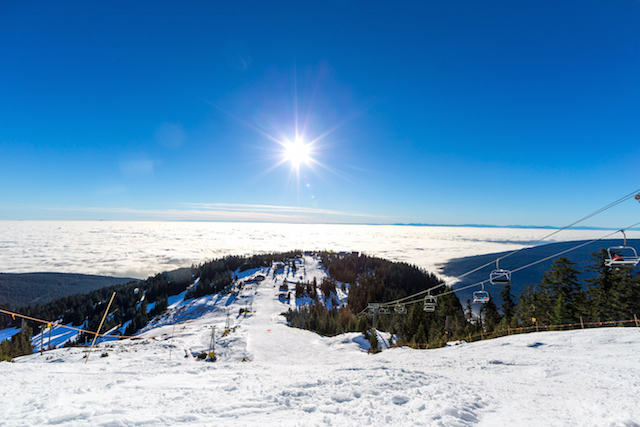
point(622, 256)
point(383, 310)
point(430, 303)
point(400, 308)
point(500, 276)
point(481, 296)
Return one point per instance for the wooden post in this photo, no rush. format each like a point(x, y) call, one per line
point(581, 323)
point(636, 319)
point(100, 327)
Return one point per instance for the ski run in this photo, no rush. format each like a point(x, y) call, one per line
point(269, 374)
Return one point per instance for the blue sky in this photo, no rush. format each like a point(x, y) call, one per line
point(447, 112)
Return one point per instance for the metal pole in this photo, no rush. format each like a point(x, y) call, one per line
point(99, 327)
point(212, 345)
point(49, 344)
point(171, 345)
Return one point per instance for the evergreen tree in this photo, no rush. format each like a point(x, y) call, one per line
point(420, 337)
point(560, 314)
point(508, 305)
point(526, 308)
point(610, 293)
point(18, 345)
point(363, 324)
point(561, 283)
point(373, 341)
point(490, 315)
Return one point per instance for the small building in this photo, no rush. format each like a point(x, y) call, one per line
point(278, 267)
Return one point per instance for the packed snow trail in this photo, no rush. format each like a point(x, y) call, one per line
point(298, 378)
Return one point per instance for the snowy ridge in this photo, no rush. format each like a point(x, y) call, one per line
point(294, 377)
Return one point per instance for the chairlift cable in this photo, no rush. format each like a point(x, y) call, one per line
point(540, 260)
point(414, 299)
point(607, 207)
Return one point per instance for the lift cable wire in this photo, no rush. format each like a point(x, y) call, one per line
point(427, 291)
point(414, 301)
point(535, 262)
point(609, 206)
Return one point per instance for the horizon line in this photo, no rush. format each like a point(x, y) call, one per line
point(396, 224)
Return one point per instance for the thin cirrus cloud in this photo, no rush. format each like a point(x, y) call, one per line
point(231, 207)
point(224, 212)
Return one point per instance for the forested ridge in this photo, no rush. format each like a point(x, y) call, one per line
point(23, 289)
point(610, 294)
point(559, 298)
point(133, 299)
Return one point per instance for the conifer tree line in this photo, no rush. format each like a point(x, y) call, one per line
point(133, 299)
point(18, 345)
point(560, 298)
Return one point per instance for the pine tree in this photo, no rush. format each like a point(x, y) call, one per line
point(373, 341)
point(420, 337)
point(561, 282)
point(611, 292)
point(18, 345)
point(508, 306)
point(560, 314)
point(491, 317)
point(526, 308)
point(363, 324)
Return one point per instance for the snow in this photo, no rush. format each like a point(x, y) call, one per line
point(54, 336)
point(8, 333)
point(176, 299)
point(151, 306)
point(293, 377)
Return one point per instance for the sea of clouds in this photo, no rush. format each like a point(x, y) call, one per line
point(141, 249)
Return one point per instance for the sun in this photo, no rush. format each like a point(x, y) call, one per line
point(297, 152)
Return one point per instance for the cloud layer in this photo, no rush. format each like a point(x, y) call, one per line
point(142, 249)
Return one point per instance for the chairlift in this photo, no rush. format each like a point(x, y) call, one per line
point(372, 309)
point(622, 256)
point(500, 276)
point(384, 310)
point(481, 296)
point(430, 303)
point(400, 309)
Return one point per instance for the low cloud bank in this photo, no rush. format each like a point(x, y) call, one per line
point(142, 249)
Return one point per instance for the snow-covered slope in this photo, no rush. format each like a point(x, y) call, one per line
point(295, 377)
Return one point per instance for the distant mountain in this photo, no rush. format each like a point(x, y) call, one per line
point(532, 275)
point(23, 289)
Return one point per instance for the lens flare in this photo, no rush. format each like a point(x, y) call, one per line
point(297, 152)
